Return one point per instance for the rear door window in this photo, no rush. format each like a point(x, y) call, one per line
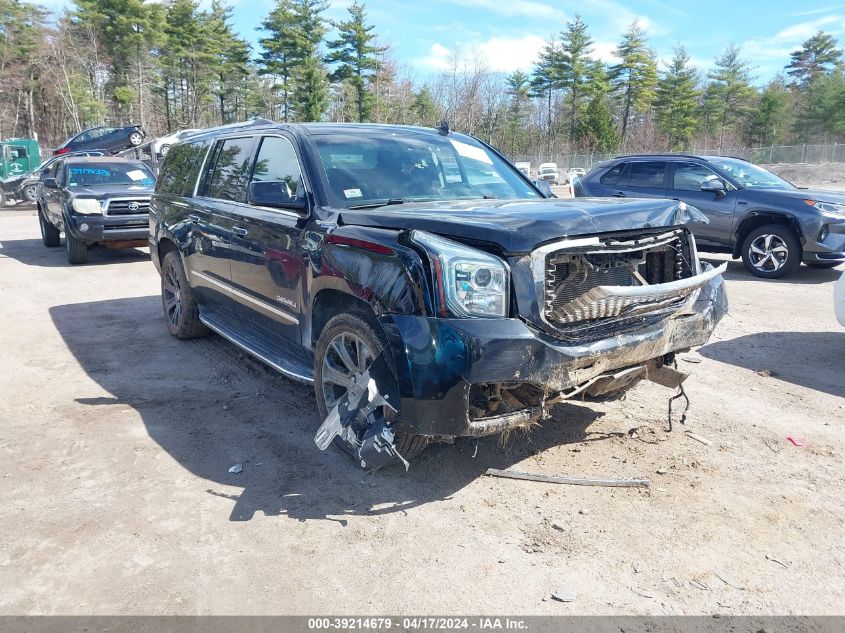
point(616, 176)
point(647, 174)
point(231, 170)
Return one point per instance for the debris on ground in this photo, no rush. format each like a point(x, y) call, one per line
point(766, 373)
point(642, 593)
point(237, 469)
point(698, 438)
point(584, 512)
point(661, 471)
point(564, 595)
point(728, 580)
point(699, 585)
point(691, 360)
point(775, 560)
point(798, 441)
point(575, 481)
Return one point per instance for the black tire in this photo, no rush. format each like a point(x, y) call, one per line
point(823, 265)
point(360, 325)
point(50, 235)
point(30, 193)
point(77, 250)
point(771, 251)
point(135, 139)
point(181, 312)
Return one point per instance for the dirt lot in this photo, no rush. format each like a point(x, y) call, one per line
point(116, 441)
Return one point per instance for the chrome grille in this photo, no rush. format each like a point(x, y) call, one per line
point(587, 286)
point(137, 206)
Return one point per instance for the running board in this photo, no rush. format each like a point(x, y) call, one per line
point(256, 345)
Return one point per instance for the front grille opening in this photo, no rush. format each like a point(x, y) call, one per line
point(639, 262)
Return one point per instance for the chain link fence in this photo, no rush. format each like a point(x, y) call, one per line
point(769, 155)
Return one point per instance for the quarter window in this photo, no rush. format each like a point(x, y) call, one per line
point(277, 162)
point(646, 174)
point(231, 170)
point(180, 168)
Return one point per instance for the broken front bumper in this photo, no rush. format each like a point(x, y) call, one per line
point(439, 360)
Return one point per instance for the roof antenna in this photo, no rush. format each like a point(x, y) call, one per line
point(443, 127)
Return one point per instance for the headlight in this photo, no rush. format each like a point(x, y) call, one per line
point(830, 208)
point(471, 282)
point(87, 206)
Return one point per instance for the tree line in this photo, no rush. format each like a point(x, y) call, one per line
point(175, 65)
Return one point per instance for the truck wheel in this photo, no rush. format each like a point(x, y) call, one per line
point(50, 235)
point(348, 345)
point(30, 193)
point(181, 313)
point(136, 138)
point(77, 250)
point(771, 251)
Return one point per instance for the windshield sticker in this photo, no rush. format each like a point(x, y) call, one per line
point(136, 175)
point(471, 151)
point(91, 171)
point(352, 193)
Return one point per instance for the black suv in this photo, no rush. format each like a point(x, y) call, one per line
point(94, 201)
point(757, 215)
point(426, 288)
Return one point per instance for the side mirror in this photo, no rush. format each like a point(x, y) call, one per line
point(275, 194)
point(714, 185)
point(544, 187)
point(51, 183)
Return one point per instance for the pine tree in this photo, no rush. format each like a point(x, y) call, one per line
point(596, 131)
point(424, 108)
point(676, 100)
point(730, 94)
point(229, 55)
point(573, 72)
point(280, 54)
point(634, 78)
point(545, 80)
point(357, 57)
point(818, 55)
point(771, 116)
point(519, 87)
point(823, 114)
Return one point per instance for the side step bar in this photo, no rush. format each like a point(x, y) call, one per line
point(255, 345)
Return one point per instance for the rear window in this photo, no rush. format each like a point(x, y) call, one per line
point(646, 174)
point(181, 167)
point(231, 170)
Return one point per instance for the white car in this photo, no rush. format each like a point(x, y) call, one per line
point(549, 173)
point(160, 146)
point(839, 300)
point(573, 172)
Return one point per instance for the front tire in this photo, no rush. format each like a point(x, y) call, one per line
point(771, 251)
point(181, 312)
point(135, 139)
point(50, 235)
point(348, 344)
point(30, 193)
point(77, 250)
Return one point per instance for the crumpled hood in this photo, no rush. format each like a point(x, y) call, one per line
point(111, 191)
point(519, 226)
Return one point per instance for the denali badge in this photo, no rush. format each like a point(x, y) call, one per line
point(287, 302)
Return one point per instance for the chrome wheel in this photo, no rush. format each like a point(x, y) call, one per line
point(768, 253)
point(346, 357)
point(172, 292)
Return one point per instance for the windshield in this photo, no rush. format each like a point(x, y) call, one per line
point(750, 176)
point(93, 174)
point(390, 167)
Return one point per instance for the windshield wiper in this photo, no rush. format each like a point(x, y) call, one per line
point(380, 203)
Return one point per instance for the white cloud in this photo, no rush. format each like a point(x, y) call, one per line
point(504, 54)
point(805, 30)
point(438, 58)
point(521, 8)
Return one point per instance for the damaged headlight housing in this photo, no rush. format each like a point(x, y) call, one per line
point(831, 208)
point(87, 206)
point(470, 282)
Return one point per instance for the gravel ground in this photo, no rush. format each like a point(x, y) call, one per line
point(116, 442)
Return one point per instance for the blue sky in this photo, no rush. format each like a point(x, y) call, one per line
point(507, 34)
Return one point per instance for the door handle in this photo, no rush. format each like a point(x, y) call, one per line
point(620, 194)
point(239, 230)
point(194, 218)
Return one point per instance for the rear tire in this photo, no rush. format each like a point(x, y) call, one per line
point(181, 312)
point(135, 139)
point(357, 325)
point(77, 250)
point(50, 235)
point(30, 193)
point(771, 251)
